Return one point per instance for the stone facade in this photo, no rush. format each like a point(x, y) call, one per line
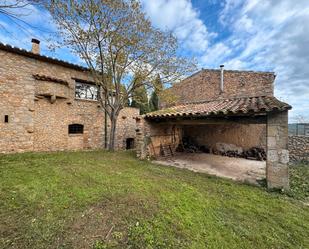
point(126, 127)
point(298, 148)
point(36, 112)
point(205, 85)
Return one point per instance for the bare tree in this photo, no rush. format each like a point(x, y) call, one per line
point(11, 8)
point(121, 48)
point(6, 7)
point(15, 10)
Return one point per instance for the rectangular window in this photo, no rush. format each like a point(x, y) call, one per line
point(6, 118)
point(76, 129)
point(86, 91)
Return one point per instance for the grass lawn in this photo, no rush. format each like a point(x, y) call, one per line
point(112, 200)
point(299, 181)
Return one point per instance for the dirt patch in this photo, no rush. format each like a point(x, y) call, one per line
point(107, 222)
point(238, 169)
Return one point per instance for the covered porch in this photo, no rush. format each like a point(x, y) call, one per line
point(222, 136)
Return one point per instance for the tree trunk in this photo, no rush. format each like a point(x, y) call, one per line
point(112, 134)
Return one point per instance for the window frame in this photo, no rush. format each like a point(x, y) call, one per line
point(89, 84)
point(75, 129)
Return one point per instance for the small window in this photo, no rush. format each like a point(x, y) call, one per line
point(76, 129)
point(6, 118)
point(86, 91)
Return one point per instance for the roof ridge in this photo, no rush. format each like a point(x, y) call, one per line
point(226, 99)
point(238, 71)
point(27, 53)
point(229, 70)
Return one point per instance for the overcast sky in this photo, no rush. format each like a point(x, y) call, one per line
point(262, 35)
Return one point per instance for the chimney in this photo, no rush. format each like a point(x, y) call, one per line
point(222, 79)
point(35, 46)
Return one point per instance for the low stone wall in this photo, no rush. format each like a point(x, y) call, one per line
point(298, 148)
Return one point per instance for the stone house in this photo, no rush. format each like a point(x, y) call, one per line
point(233, 107)
point(48, 104)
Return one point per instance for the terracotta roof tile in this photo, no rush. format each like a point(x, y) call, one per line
point(52, 79)
point(241, 106)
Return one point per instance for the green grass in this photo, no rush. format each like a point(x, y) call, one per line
point(299, 181)
point(112, 200)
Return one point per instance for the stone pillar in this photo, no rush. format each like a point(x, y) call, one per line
point(142, 133)
point(277, 173)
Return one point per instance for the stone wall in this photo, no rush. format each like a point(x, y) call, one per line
point(126, 127)
point(51, 123)
point(16, 101)
point(40, 111)
point(299, 148)
point(205, 85)
point(151, 136)
point(243, 135)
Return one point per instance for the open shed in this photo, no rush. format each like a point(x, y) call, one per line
point(245, 121)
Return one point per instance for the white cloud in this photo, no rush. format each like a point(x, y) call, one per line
point(270, 35)
point(180, 17)
point(216, 55)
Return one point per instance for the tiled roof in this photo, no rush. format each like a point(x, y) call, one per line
point(44, 58)
point(236, 106)
point(52, 79)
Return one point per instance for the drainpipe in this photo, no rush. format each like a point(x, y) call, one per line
point(222, 79)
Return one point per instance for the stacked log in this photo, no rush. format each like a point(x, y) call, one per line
point(190, 146)
point(231, 153)
point(255, 153)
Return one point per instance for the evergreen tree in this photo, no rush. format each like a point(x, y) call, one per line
point(154, 102)
point(154, 99)
point(140, 99)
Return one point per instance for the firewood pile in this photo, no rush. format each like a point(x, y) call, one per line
point(255, 153)
point(231, 150)
point(188, 145)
